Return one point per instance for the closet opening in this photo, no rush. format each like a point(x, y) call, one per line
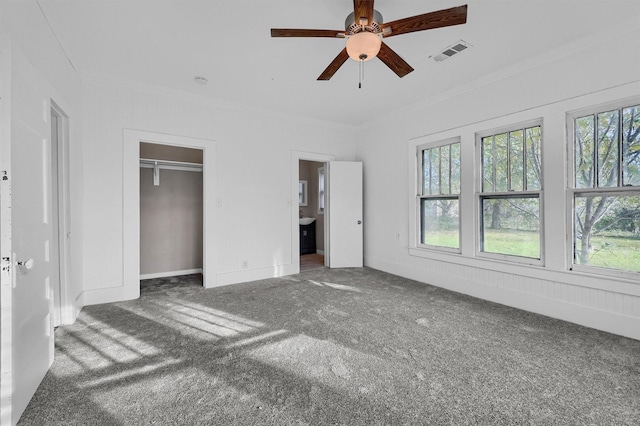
point(171, 215)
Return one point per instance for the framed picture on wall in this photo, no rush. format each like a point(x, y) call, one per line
point(302, 193)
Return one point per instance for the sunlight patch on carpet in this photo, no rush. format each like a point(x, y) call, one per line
point(129, 374)
point(336, 286)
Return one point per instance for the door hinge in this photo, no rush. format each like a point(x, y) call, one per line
point(6, 264)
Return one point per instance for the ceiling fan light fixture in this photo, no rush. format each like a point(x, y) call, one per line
point(363, 46)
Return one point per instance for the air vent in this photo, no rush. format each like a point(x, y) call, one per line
point(449, 51)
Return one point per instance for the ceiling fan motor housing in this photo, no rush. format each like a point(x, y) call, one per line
point(353, 26)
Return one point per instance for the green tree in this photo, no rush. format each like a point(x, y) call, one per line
point(604, 143)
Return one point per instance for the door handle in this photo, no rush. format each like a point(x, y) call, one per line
point(26, 264)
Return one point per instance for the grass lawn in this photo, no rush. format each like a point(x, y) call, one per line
point(615, 252)
point(516, 243)
point(442, 239)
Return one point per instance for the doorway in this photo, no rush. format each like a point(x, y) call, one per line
point(131, 206)
point(171, 211)
point(311, 202)
point(343, 224)
point(59, 202)
point(299, 161)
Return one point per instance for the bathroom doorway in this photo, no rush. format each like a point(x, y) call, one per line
point(343, 213)
point(311, 203)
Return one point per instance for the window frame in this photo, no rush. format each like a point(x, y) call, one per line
point(525, 193)
point(420, 196)
point(599, 191)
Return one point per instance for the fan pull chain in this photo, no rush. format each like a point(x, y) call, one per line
point(363, 56)
point(361, 70)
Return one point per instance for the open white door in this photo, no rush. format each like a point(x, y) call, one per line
point(344, 209)
point(30, 201)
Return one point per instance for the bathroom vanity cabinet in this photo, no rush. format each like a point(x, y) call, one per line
point(308, 238)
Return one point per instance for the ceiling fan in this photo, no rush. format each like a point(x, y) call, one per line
point(364, 31)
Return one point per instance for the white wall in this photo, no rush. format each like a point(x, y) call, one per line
point(253, 152)
point(564, 82)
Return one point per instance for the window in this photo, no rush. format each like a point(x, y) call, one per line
point(510, 209)
point(321, 190)
point(606, 188)
point(439, 195)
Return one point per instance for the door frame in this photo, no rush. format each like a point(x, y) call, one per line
point(296, 156)
point(131, 206)
point(62, 304)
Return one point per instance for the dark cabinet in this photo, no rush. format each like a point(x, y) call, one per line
point(308, 238)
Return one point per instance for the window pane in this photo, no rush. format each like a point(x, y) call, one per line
point(511, 161)
point(488, 179)
point(455, 168)
point(608, 149)
point(440, 223)
point(607, 231)
point(517, 160)
point(435, 171)
point(583, 147)
point(631, 145)
point(500, 155)
point(511, 226)
point(426, 171)
point(444, 169)
point(533, 138)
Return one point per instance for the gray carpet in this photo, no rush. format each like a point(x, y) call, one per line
point(347, 347)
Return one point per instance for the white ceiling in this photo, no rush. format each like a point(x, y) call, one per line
point(163, 45)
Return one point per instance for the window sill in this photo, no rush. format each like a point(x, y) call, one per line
point(579, 278)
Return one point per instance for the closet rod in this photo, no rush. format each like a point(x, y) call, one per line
point(168, 164)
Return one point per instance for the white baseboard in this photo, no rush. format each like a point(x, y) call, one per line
point(320, 252)
point(170, 273)
point(255, 274)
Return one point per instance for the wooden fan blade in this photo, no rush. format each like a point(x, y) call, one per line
point(363, 9)
point(334, 65)
point(287, 32)
point(394, 61)
point(427, 21)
